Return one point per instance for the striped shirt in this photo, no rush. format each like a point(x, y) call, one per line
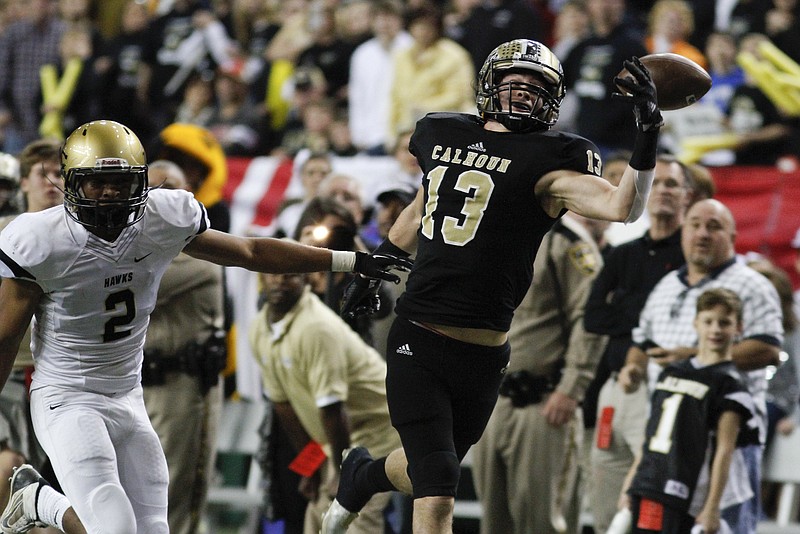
point(24, 48)
point(668, 316)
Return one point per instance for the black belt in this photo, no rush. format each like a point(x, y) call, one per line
point(173, 364)
point(203, 360)
point(156, 364)
point(524, 388)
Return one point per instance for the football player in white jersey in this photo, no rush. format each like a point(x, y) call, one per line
point(88, 274)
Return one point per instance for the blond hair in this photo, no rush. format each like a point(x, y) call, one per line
point(680, 6)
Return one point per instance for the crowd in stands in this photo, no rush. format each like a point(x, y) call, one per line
point(270, 77)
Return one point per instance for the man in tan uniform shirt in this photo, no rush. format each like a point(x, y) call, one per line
point(526, 465)
point(183, 399)
point(326, 385)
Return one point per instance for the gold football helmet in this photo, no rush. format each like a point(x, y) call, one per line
point(109, 149)
point(526, 56)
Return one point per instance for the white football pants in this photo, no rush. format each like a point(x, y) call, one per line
point(107, 458)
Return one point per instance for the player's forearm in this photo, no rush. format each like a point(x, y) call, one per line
point(18, 300)
point(277, 256)
point(266, 255)
point(640, 171)
point(635, 186)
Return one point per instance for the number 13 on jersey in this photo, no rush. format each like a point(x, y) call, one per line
point(478, 187)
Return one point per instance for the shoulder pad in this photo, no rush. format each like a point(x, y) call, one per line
point(36, 245)
point(171, 210)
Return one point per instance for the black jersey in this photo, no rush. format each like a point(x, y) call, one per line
point(685, 409)
point(482, 223)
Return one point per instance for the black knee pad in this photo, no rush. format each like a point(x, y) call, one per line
point(436, 475)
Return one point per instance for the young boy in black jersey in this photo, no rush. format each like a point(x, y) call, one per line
point(699, 404)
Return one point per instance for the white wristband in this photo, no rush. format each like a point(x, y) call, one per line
point(642, 181)
point(342, 261)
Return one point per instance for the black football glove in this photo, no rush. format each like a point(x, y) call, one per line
point(360, 297)
point(642, 92)
point(379, 266)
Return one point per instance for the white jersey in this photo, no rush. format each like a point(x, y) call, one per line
point(89, 326)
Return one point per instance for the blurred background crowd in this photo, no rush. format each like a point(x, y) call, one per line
point(272, 77)
point(326, 87)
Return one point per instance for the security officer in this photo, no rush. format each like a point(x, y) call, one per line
point(526, 465)
point(183, 355)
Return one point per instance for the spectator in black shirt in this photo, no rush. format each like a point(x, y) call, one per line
point(631, 270)
point(589, 73)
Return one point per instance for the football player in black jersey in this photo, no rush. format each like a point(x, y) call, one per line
point(493, 185)
point(697, 403)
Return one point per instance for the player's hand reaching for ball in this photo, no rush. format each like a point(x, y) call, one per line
point(638, 88)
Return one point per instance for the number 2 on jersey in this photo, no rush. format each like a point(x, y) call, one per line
point(125, 297)
point(454, 232)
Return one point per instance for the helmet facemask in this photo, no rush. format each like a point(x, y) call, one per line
point(106, 214)
point(524, 56)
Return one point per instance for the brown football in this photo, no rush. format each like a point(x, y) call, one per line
point(679, 81)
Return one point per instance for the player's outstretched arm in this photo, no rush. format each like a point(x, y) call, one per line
point(270, 255)
point(18, 300)
point(641, 92)
point(361, 295)
point(594, 197)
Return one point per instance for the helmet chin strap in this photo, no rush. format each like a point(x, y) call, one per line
point(520, 125)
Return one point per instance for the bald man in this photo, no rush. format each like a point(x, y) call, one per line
point(665, 334)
